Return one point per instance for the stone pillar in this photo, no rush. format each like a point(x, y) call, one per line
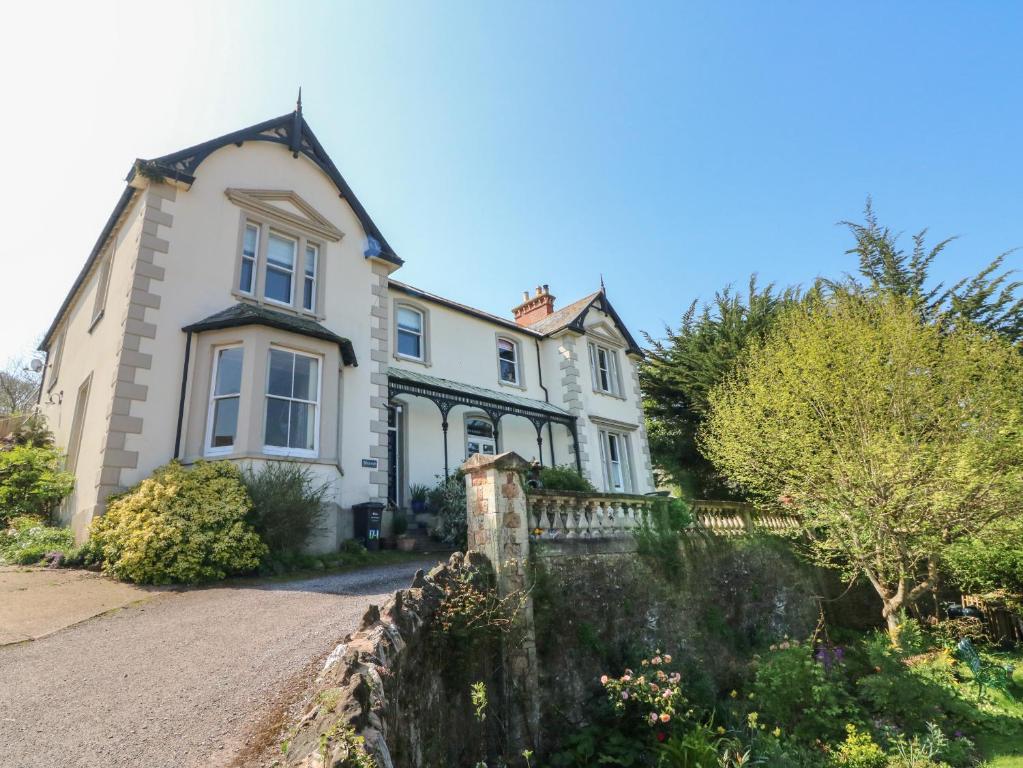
point(499, 529)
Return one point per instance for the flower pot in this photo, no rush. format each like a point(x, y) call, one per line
point(418, 506)
point(406, 543)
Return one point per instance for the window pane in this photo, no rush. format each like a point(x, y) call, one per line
point(281, 367)
point(278, 285)
point(508, 372)
point(410, 320)
point(408, 344)
point(307, 294)
point(505, 347)
point(310, 260)
point(249, 246)
point(472, 447)
point(281, 251)
point(479, 427)
point(245, 280)
point(302, 423)
point(277, 422)
point(225, 422)
point(612, 444)
point(305, 377)
point(229, 372)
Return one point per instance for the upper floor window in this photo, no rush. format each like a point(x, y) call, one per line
point(102, 286)
point(225, 396)
point(410, 332)
point(312, 254)
point(250, 247)
point(508, 361)
point(292, 404)
point(283, 268)
point(280, 267)
point(604, 370)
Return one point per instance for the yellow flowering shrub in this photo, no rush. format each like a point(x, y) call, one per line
point(179, 526)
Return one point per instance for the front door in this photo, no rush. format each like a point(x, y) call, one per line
point(395, 454)
point(479, 437)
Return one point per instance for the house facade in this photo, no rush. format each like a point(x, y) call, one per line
point(241, 304)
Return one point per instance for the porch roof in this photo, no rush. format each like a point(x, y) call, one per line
point(454, 393)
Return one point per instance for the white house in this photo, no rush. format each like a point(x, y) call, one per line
point(239, 304)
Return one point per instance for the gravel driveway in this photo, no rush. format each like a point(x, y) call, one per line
point(181, 680)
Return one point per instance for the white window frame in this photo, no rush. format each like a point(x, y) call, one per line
point(610, 369)
point(296, 241)
point(478, 438)
point(254, 279)
point(398, 330)
point(624, 463)
point(276, 450)
point(517, 382)
point(208, 448)
point(310, 278)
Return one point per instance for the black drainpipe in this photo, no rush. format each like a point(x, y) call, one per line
point(181, 402)
point(546, 397)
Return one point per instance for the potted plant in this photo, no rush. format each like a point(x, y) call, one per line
point(418, 495)
point(400, 524)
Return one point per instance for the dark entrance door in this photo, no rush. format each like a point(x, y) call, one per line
point(394, 456)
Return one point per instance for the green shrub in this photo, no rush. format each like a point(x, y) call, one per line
point(802, 695)
point(564, 479)
point(31, 481)
point(857, 751)
point(447, 502)
point(990, 562)
point(399, 522)
point(179, 525)
point(287, 504)
point(29, 540)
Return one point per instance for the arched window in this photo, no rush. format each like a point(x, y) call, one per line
point(508, 361)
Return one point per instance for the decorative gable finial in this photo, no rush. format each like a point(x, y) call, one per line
point(296, 128)
point(602, 290)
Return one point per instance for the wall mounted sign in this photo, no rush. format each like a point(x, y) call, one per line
point(369, 463)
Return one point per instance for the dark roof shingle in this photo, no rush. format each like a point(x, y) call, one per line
point(251, 314)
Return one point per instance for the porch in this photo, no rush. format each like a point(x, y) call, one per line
point(435, 424)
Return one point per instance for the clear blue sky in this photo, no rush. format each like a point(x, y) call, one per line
point(673, 147)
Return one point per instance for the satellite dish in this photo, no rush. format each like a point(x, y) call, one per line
point(36, 365)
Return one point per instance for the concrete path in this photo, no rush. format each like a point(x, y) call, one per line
point(183, 679)
point(35, 602)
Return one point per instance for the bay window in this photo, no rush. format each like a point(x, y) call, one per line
point(225, 396)
point(292, 403)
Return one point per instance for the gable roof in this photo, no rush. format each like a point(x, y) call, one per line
point(251, 314)
point(291, 130)
point(573, 316)
point(418, 293)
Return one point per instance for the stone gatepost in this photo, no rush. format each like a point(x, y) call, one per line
point(499, 528)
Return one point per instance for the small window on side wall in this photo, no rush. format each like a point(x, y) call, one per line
point(508, 361)
point(410, 333)
point(225, 397)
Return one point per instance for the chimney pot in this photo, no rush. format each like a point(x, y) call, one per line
point(534, 307)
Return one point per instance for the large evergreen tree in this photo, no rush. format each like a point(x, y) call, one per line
point(689, 361)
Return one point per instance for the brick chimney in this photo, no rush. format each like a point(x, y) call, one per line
point(535, 307)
